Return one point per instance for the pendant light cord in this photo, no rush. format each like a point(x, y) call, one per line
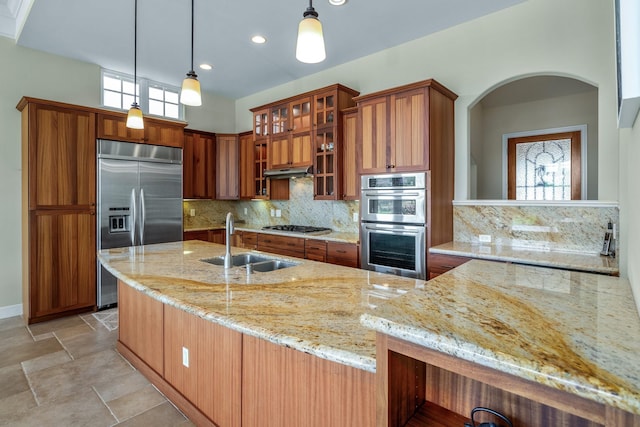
point(192, 20)
point(135, 51)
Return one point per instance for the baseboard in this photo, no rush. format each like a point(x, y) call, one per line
point(10, 311)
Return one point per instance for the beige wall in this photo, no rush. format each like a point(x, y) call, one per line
point(573, 110)
point(26, 72)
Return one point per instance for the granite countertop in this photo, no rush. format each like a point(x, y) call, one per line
point(336, 236)
point(313, 307)
point(573, 331)
point(569, 260)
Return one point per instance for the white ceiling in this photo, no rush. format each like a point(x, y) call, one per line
point(101, 32)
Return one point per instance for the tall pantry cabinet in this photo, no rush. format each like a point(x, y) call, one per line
point(58, 208)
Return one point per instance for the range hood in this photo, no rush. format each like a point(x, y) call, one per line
point(284, 173)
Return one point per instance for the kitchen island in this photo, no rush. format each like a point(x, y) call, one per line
point(571, 334)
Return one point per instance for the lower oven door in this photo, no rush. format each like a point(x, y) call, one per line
point(394, 248)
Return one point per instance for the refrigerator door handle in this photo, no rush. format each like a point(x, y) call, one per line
point(133, 216)
point(142, 216)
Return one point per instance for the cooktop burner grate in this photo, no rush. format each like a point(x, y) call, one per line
point(303, 229)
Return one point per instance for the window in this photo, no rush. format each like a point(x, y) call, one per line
point(154, 98)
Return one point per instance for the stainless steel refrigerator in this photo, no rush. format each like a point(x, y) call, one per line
point(139, 201)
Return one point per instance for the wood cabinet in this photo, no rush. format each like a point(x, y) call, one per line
point(402, 128)
point(343, 254)
point(438, 264)
point(249, 240)
point(140, 320)
point(227, 167)
point(306, 130)
point(198, 165)
point(315, 250)
point(253, 163)
point(196, 235)
point(113, 125)
point(58, 209)
point(211, 376)
point(350, 182)
point(417, 386)
point(283, 245)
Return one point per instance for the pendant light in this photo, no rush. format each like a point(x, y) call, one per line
point(190, 94)
point(310, 45)
point(134, 118)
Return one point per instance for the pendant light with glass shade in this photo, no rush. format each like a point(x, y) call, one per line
point(310, 44)
point(134, 117)
point(190, 94)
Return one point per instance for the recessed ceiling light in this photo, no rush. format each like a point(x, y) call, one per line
point(337, 2)
point(258, 39)
point(205, 66)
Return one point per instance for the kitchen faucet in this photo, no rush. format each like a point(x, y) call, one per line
point(229, 228)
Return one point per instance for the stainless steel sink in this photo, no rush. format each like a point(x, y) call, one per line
point(237, 260)
point(253, 262)
point(270, 265)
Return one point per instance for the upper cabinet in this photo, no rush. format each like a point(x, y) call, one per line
point(198, 165)
point(113, 125)
point(306, 130)
point(227, 167)
point(350, 184)
point(401, 127)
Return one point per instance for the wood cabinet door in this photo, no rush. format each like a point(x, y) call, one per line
point(279, 151)
point(300, 111)
point(163, 133)
point(342, 254)
point(114, 127)
point(249, 240)
point(261, 123)
point(282, 245)
point(315, 250)
point(227, 167)
point(248, 188)
point(301, 154)
point(141, 326)
point(409, 146)
point(373, 121)
point(62, 157)
point(196, 235)
point(198, 166)
point(350, 184)
point(62, 261)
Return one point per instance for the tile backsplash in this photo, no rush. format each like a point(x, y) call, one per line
point(578, 227)
point(300, 209)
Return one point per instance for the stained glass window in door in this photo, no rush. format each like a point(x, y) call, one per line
point(543, 170)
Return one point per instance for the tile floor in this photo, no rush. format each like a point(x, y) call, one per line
point(66, 372)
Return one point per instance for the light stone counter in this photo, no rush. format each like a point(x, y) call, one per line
point(569, 260)
point(335, 236)
point(574, 331)
point(313, 307)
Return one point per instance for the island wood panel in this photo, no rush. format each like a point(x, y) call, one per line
point(532, 403)
point(141, 326)
point(285, 387)
point(212, 381)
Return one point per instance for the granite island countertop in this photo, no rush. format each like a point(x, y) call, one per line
point(588, 262)
point(313, 307)
point(573, 331)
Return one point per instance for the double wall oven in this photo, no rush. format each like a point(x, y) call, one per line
point(393, 214)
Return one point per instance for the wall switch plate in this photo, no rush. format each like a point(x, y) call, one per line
point(185, 357)
point(484, 238)
point(278, 213)
point(355, 217)
point(245, 211)
point(192, 212)
point(273, 212)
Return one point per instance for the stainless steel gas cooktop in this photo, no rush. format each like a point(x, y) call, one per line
point(302, 229)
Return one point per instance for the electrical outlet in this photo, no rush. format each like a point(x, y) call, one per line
point(245, 211)
point(355, 217)
point(273, 212)
point(185, 357)
point(192, 212)
point(484, 238)
point(278, 213)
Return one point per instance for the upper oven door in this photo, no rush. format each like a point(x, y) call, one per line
point(401, 206)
